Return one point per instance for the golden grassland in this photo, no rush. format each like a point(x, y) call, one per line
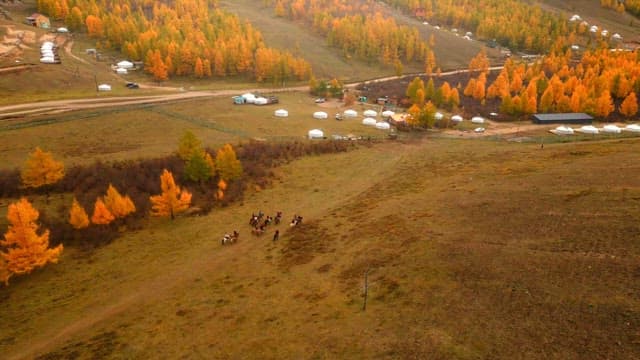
point(474, 249)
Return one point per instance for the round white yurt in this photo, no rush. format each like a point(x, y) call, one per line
point(369, 121)
point(47, 45)
point(62, 30)
point(593, 29)
point(320, 115)
point(281, 113)
point(125, 64)
point(632, 128)
point(611, 129)
point(588, 129)
point(350, 113)
point(45, 53)
point(438, 116)
point(249, 98)
point(383, 126)
point(121, 71)
point(564, 130)
point(456, 118)
point(47, 60)
point(260, 101)
point(388, 113)
point(104, 87)
point(477, 120)
point(370, 113)
point(316, 134)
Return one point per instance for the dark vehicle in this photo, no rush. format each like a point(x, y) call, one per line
point(132, 85)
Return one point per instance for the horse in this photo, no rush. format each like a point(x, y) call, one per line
point(297, 220)
point(230, 239)
point(278, 217)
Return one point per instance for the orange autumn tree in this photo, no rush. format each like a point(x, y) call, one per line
point(41, 169)
point(101, 215)
point(119, 206)
point(25, 249)
point(78, 216)
point(172, 200)
point(629, 106)
point(222, 186)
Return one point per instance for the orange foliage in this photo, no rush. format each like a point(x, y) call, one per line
point(77, 216)
point(101, 215)
point(629, 106)
point(41, 169)
point(172, 200)
point(119, 206)
point(25, 249)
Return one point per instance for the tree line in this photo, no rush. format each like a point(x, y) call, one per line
point(121, 194)
point(179, 38)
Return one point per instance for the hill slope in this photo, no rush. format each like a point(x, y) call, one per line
point(474, 249)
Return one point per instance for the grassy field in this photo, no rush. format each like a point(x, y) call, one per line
point(147, 131)
point(474, 249)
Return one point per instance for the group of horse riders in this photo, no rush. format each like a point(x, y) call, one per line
point(259, 226)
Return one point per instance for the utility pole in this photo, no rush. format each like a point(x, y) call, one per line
point(366, 289)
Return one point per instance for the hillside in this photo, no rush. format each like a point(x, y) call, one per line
point(474, 249)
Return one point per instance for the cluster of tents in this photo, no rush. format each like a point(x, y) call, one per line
point(590, 129)
point(123, 67)
point(49, 53)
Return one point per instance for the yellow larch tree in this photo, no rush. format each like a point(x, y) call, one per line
point(172, 200)
point(119, 206)
point(629, 106)
point(78, 216)
point(25, 249)
point(101, 215)
point(41, 169)
point(227, 164)
point(222, 186)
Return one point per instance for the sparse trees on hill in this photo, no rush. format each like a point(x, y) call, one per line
point(23, 248)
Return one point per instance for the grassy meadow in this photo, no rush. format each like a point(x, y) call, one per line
point(473, 249)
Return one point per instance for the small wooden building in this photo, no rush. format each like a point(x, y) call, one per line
point(562, 118)
point(39, 20)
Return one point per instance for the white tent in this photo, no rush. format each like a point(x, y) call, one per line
point(316, 134)
point(456, 118)
point(588, 129)
point(260, 101)
point(121, 71)
point(438, 116)
point(616, 36)
point(563, 130)
point(45, 53)
point(477, 120)
point(632, 128)
point(104, 87)
point(320, 115)
point(383, 126)
point(605, 33)
point(388, 113)
point(281, 113)
point(62, 30)
point(47, 44)
point(575, 17)
point(249, 98)
point(47, 60)
point(369, 121)
point(370, 113)
point(350, 113)
point(125, 64)
point(612, 129)
point(575, 47)
point(593, 29)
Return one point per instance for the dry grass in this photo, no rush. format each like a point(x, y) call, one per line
point(475, 249)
